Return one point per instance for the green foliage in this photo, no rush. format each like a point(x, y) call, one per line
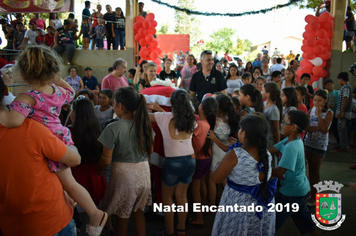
point(253, 55)
point(242, 45)
point(221, 40)
point(187, 24)
point(164, 29)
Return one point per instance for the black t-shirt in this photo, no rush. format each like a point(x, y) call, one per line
point(119, 23)
point(306, 100)
point(163, 75)
point(212, 83)
point(109, 17)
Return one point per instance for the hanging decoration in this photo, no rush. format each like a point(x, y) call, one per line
point(316, 46)
point(144, 30)
point(194, 12)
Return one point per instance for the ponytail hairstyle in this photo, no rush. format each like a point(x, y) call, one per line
point(256, 128)
point(232, 65)
point(86, 131)
point(255, 95)
point(293, 72)
point(227, 108)
point(145, 77)
point(182, 111)
point(275, 95)
point(136, 104)
point(292, 97)
point(322, 93)
point(210, 108)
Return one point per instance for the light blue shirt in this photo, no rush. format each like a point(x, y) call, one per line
point(295, 183)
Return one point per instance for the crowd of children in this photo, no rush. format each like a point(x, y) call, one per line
point(229, 148)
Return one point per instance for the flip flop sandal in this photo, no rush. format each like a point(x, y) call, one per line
point(96, 230)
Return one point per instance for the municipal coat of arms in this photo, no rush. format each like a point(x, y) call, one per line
point(328, 206)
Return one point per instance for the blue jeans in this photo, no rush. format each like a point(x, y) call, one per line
point(342, 129)
point(69, 230)
point(302, 219)
point(119, 39)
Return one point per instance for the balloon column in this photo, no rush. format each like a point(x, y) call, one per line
point(144, 30)
point(316, 46)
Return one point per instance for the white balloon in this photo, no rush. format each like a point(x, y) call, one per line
point(317, 61)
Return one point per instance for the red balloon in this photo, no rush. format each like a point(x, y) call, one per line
point(324, 73)
point(159, 69)
point(310, 55)
point(327, 48)
point(310, 18)
point(306, 48)
point(323, 64)
point(308, 34)
point(159, 51)
point(149, 37)
point(313, 79)
point(306, 69)
point(142, 32)
point(318, 49)
point(150, 17)
point(306, 63)
point(157, 61)
point(299, 72)
point(139, 19)
point(329, 34)
point(318, 71)
point(320, 33)
point(154, 43)
point(304, 42)
point(303, 55)
point(154, 23)
point(137, 25)
point(151, 30)
point(307, 27)
point(315, 25)
point(325, 55)
point(143, 42)
point(144, 52)
point(146, 24)
point(327, 26)
point(311, 42)
point(154, 55)
point(325, 17)
point(137, 37)
point(323, 41)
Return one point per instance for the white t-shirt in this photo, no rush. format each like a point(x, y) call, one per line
point(277, 67)
point(31, 36)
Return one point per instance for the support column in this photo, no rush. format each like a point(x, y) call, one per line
point(131, 12)
point(338, 10)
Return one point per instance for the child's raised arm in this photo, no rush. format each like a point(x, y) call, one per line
point(13, 118)
point(225, 167)
point(62, 83)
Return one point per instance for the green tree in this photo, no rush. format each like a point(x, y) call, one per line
point(253, 55)
point(187, 24)
point(164, 29)
point(221, 40)
point(242, 45)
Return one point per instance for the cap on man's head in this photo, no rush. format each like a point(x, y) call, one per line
point(32, 22)
point(66, 22)
point(87, 68)
point(141, 3)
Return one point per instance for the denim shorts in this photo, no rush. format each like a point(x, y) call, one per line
point(178, 169)
point(315, 151)
point(100, 43)
point(302, 219)
point(69, 230)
